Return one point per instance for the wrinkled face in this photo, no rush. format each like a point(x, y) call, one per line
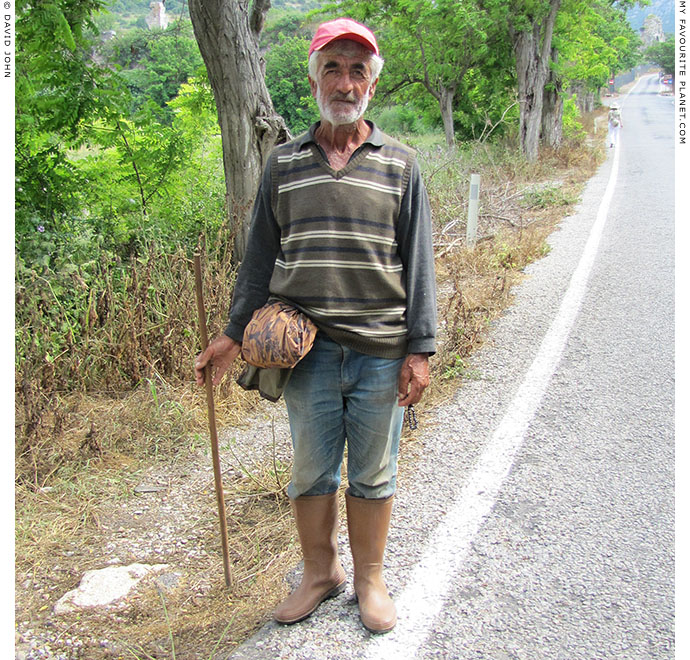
point(343, 86)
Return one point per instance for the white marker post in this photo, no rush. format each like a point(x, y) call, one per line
point(473, 211)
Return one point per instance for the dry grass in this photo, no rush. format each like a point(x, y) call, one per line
point(90, 514)
point(75, 495)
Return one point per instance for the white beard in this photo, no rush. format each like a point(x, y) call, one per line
point(344, 114)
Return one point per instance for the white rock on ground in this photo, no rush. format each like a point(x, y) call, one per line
point(103, 587)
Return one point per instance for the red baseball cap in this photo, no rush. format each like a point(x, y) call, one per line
point(343, 28)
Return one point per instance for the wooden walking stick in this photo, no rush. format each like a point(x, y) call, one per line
point(208, 381)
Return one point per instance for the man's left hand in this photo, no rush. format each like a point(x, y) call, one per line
point(414, 379)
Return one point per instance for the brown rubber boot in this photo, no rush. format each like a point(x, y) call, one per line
point(367, 523)
point(317, 525)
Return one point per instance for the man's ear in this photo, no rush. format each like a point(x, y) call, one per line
point(372, 88)
point(313, 85)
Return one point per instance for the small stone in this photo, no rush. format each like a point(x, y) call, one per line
point(104, 587)
point(168, 581)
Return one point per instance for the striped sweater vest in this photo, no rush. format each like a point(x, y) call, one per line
point(338, 261)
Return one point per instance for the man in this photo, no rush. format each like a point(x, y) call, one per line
point(341, 229)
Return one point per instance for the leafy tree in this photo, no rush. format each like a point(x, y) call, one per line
point(572, 127)
point(147, 180)
point(148, 151)
point(550, 37)
point(58, 88)
point(530, 26)
point(195, 108)
point(663, 54)
point(285, 23)
point(486, 103)
point(286, 79)
point(595, 41)
point(192, 201)
point(592, 40)
point(83, 162)
point(154, 64)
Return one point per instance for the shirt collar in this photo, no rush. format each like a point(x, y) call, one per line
point(375, 138)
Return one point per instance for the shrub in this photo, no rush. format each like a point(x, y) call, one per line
point(572, 125)
point(399, 120)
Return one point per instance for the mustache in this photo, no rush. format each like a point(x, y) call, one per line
point(338, 96)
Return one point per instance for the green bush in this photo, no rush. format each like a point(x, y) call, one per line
point(572, 126)
point(399, 120)
point(154, 64)
point(286, 79)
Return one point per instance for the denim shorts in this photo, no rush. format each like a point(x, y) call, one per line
point(336, 394)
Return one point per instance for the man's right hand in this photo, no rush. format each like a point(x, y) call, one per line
point(220, 354)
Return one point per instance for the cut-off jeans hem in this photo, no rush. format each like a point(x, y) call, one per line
point(338, 396)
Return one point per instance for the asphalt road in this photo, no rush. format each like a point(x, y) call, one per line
point(538, 520)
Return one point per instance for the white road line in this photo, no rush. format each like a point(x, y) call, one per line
point(423, 597)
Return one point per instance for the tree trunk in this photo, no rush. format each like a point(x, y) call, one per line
point(552, 118)
point(445, 101)
point(228, 35)
point(589, 102)
point(552, 112)
point(584, 98)
point(530, 90)
point(532, 50)
point(444, 94)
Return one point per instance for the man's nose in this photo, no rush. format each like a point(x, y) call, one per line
point(345, 83)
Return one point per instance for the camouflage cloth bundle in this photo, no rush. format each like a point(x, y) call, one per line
point(277, 335)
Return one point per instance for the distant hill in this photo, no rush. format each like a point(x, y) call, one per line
point(664, 9)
